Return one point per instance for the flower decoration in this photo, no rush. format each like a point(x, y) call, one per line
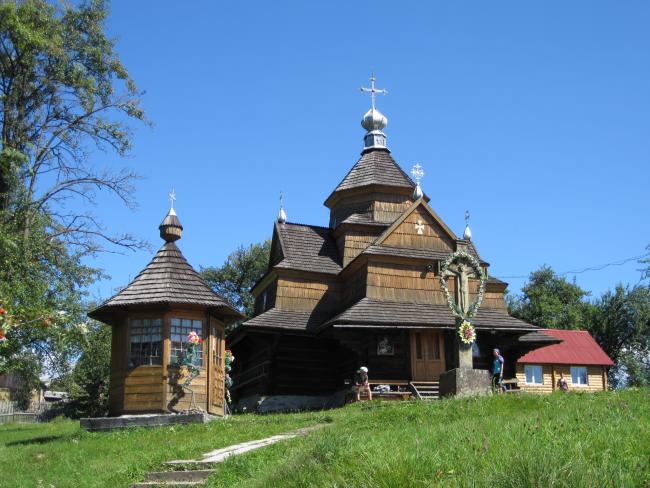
point(466, 332)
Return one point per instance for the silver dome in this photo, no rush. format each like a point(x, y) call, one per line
point(374, 120)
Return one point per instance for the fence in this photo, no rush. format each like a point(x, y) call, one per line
point(10, 412)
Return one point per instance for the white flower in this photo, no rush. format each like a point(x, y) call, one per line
point(82, 327)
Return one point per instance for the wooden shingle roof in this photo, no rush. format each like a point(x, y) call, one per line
point(308, 248)
point(275, 318)
point(371, 312)
point(375, 167)
point(167, 279)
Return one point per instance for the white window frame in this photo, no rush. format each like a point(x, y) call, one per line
point(533, 368)
point(576, 368)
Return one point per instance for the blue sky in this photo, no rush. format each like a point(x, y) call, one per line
point(534, 116)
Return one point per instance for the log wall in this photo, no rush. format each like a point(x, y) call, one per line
point(597, 378)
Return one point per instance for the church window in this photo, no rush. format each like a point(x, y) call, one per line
point(579, 376)
point(145, 342)
point(180, 329)
point(534, 374)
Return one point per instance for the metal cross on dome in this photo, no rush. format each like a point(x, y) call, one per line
point(172, 198)
point(372, 90)
point(417, 172)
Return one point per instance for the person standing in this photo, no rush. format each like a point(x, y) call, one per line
point(361, 382)
point(562, 383)
point(497, 370)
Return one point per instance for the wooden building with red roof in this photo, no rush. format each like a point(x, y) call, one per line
point(578, 358)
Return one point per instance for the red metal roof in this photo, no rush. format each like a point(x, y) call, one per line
point(577, 347)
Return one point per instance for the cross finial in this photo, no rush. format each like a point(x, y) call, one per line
point(417, 172)
point(172, 198)
point(466, 217)
point(373, 91)
point(282, 215)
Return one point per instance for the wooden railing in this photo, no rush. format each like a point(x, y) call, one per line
point(251, 375)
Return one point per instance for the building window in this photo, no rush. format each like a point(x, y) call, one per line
point(146, 344)
point(180, 329)
point(579, 376)
point(534, 374)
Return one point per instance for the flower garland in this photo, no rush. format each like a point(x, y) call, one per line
point(466, 330)
point(229, 359)
point(476, 266)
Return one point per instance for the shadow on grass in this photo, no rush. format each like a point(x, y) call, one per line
point(37, 440)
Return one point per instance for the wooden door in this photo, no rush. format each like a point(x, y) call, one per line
point(427, 355)
point(217, 373)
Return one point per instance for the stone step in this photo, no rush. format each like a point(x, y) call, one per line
point(193, 475)
point(167, 484)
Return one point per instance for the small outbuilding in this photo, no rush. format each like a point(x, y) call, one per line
point(579, 358)
point(151, 319)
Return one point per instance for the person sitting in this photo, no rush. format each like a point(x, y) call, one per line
point(562, 383)
point(361, 382)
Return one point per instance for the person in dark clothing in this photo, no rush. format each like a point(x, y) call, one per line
point(497, 370)
point(361, 382)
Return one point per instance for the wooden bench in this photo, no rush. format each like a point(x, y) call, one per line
point(399, 390)
point(511, 385)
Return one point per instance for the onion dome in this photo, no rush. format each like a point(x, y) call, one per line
point(282, 216)
point(170, 228)
point(374, 120)
point(467, 235)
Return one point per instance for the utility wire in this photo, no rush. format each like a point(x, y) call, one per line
point(583, 270)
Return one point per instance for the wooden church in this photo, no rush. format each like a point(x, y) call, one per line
point(151, 320)
point(365, 290)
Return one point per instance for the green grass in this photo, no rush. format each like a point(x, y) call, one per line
point(574, 440)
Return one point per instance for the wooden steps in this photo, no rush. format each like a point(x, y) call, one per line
point(426, 390)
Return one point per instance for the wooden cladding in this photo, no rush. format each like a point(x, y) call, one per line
point(305, 294)
point(143, 389)
point(377, 206)
point(432, 235)
point(353, 243)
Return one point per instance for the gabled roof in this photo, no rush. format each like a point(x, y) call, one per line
point(374, 167)
point(167, 279)
point(577, 347)
point(371, 312)
point(420, 202)
point(308, 248)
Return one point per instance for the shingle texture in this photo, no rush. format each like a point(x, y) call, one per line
point(308, 248)
point(286, 319)
point(168, 278)
point(408, 252)
point(368, 311)
point(577, 347)
point(375, 168)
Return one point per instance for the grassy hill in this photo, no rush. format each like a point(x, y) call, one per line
point(571, 440)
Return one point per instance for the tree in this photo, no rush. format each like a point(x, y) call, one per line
point(645, 272)
point(551, 302)
point(620, 323)
point(92, 373)
point(63, 91)
point(243, 268)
